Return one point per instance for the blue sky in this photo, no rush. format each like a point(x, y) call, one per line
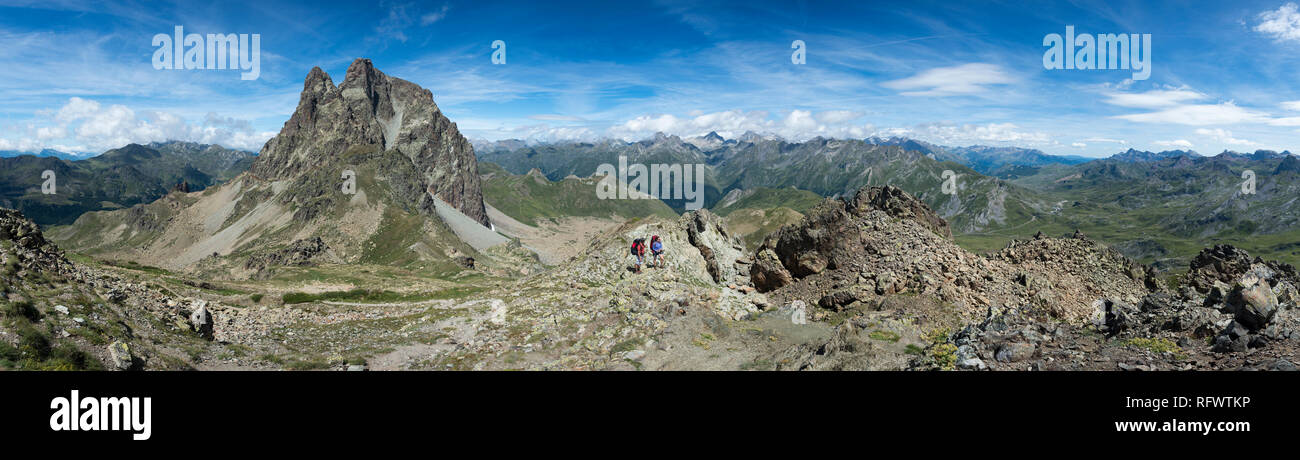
point(78, 76)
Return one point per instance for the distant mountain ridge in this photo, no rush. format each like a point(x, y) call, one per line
point(119, 177)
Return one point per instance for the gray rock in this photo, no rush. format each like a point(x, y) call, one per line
point(634, 355)
point(1014, 352)
point(121, 356)
point(1253, 303)
point(201, 322)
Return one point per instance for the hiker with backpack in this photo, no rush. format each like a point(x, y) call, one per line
point(638, 250)
point(657, 251)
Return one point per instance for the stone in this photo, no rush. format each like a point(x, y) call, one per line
point(121, 356)
point(1253, 303)
point(1014, 352)
point(202, 323)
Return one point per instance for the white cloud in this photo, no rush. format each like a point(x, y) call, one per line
point(436, 16)
point(958, 80)
point(795, 125)
point(837, 116)
point(1078, 145)
point(1291, 105)
point(1179, 143)
point(1153, 99)
point(84, 125)
point(953, 134)
point(1199, 115)
point(1281, 24)
point(1225, 136)
point(1107, 140)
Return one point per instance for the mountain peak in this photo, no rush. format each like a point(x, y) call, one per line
point(371, 110)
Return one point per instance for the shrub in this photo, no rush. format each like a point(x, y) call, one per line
point(22, 310)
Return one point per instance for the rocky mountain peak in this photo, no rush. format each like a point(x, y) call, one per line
point(371, 110)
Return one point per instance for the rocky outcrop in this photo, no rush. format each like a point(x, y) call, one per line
point(299, 253)
point(370, 108)
point(721, 250)
point(883, 242)
point(822, 240)
point(897, 203)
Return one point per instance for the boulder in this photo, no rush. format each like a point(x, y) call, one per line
point(1014, 352)
point(120, 354)
point(201, 322)
point(1252, 303)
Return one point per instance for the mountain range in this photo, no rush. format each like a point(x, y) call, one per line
point(117, 178)
point(369, 233)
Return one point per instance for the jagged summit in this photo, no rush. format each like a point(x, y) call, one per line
point(370, 108)
point(369, 160)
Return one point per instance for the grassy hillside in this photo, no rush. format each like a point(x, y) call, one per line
point(530, 198)
point(767, 198)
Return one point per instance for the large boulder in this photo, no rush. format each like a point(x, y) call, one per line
point(1252, 303)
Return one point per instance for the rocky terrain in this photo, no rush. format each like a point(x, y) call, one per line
point(871, 282)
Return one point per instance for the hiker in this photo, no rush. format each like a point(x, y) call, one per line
point(638, 250)
point(657, 251)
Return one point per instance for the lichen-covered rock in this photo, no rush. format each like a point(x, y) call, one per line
point(120, 354)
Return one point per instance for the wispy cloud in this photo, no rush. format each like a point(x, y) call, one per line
point(430, 18)
point(1225, 136)
point(1282, 24)
point(958, 80)
point(1179, 143)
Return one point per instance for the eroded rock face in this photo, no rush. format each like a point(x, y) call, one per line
point(373, 110)
point(823, 239)
point(720, 249)
point(299, 253)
